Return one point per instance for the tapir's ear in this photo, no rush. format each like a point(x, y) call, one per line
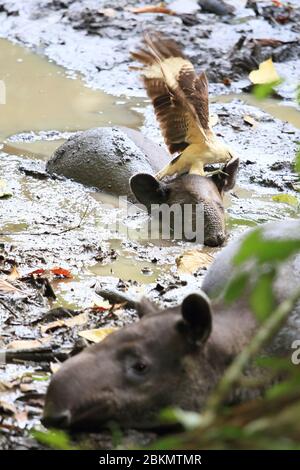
point(147, 189)
point(145, 307)
point(226, 180)
point(196, 323)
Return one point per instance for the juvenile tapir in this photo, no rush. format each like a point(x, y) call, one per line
point(171, 357)
point(121, 161)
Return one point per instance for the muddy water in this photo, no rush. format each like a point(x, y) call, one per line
point(274, 107)
point(40, 96)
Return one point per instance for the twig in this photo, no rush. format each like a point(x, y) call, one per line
point(8, 308)
point(73, 227)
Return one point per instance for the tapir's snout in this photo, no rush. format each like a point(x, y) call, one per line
point(215, 239)
point(52, 419)
point(81, 393)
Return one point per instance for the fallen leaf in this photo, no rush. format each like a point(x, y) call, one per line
point(108, 12)
point(266, 73)
point(14, 274)
point(250, 120)
point(54, 366)
point(80, 319)
point(4, 191)
point(7, 409)
point(286, 199)
point(152, 9)
point(61, 272)
point(100, 305)
point(37, 272)
point(27, 343)
point(6, 286)
point(213, 120)
point(98, 334)
point(192, 260)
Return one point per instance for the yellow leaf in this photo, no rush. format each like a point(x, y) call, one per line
point(98, 334)
point(192, 260)
point(286, 199)
point(54, 366)
point(14, 274)
point(266, 73)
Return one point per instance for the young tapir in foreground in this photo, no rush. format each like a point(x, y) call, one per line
point(173, 357)
point(121, 161)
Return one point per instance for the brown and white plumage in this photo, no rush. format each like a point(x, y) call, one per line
point(180, 100)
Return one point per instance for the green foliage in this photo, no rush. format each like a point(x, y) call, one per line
point(262, 298)
point(55, 439)
point(263, 91)
point(297, 162)
point(262, 251)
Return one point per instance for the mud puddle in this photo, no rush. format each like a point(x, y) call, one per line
point(41, 97)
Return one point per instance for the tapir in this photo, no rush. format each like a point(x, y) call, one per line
point(170, 357)
point(122, 162)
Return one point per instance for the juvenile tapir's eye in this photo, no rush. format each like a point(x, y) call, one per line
point(140, 367)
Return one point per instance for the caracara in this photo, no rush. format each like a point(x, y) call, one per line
point(180, 100)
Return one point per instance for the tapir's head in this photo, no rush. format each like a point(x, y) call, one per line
point(191, 190)
point(161, 360)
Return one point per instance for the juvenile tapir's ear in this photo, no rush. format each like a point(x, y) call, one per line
point(145, 307)
point(196, 323)
point(226, 180)
point(147, 189)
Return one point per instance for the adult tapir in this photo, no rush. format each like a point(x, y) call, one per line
point(121, 161)
point(171, 357)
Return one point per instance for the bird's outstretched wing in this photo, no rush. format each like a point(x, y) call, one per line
point(179, 96)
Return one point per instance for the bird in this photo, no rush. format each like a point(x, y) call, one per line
point(180, 100)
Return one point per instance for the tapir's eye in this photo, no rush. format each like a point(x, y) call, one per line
point(140, 367)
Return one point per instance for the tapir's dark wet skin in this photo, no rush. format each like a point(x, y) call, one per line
point(173, 357)
point(121, 161)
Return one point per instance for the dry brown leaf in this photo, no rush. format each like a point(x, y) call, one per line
point(7, 409)
point(27, 343)
point(153, 9)
point(14, 274)
point(98, 334)
point(192, 260)
point(250, 120)
point(6, 286)
point(80, 319)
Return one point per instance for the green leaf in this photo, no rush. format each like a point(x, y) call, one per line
point(286, 199)
point(264, 90)
point(262, 297)
point(236, 287)
point(297, 162)
point(55, 439)
point(254, 246)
